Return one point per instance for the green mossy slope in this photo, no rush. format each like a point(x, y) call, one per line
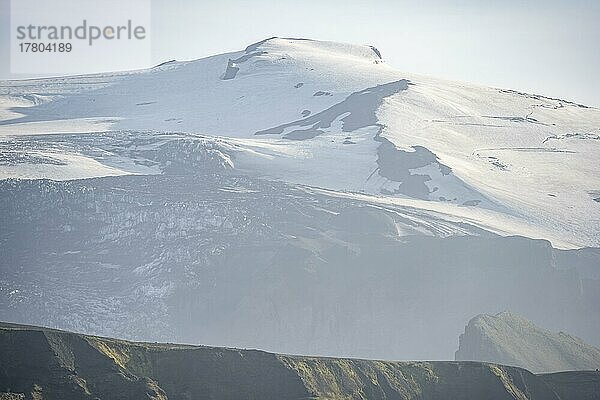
point(38, 363)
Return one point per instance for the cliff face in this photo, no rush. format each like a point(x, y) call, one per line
point(38, 363)
point(510, 339)
point(229, 260)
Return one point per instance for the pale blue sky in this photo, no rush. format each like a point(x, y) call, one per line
point(548, 47)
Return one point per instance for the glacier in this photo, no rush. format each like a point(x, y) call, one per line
point(297, 196)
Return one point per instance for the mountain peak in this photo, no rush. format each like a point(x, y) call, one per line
point(303, 44)
point(505, 317)
point(511, 339)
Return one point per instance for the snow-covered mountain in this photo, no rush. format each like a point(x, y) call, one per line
point(333, 116)
point(297, 196)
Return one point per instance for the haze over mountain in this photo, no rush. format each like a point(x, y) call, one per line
point(296, 196)
point(509, 339)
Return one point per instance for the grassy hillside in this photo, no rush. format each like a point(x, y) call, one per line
point(38, 363)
